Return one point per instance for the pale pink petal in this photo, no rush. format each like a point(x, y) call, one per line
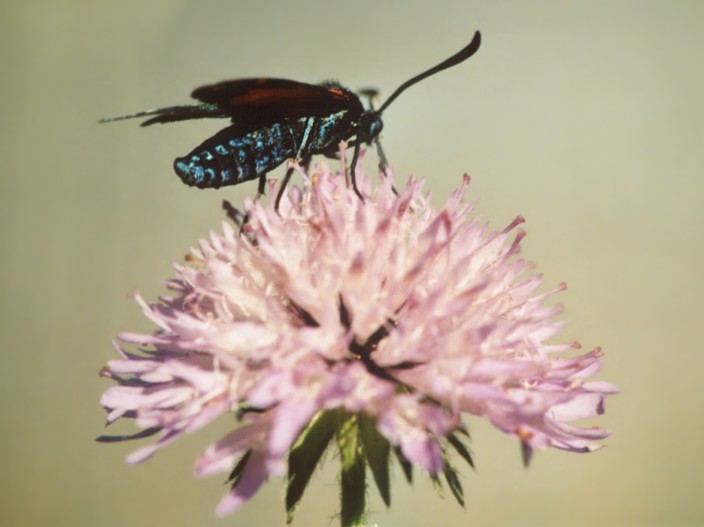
point(252, 478)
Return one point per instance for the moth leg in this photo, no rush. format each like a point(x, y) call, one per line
point(355, 158)
point(261, 187)
point(383, 163)
point(282, 187)
point(237, 217)
point(305, 162)
point(234, 214)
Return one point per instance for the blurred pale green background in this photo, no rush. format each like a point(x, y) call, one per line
point(585, 117)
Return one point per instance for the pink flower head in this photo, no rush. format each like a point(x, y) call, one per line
point(386, 309)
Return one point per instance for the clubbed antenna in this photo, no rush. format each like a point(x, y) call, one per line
point(455, 59)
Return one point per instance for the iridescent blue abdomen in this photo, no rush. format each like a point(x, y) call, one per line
point(228, 158)
point(231, 157)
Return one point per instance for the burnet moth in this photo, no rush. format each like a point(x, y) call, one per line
point(278, 119)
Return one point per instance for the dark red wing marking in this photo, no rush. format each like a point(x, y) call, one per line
point(268, 99)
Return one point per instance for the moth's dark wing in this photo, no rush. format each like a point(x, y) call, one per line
point(172, 113)
point(184, 113)
point(264, 100)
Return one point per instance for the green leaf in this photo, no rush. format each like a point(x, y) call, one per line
point(454, 483)
point(405, 465)
point(353, 472)
point(377, 450)
point(526, 453)
point(234, 477)
point(461, 449)
point(437, 485)
point(305, 456)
